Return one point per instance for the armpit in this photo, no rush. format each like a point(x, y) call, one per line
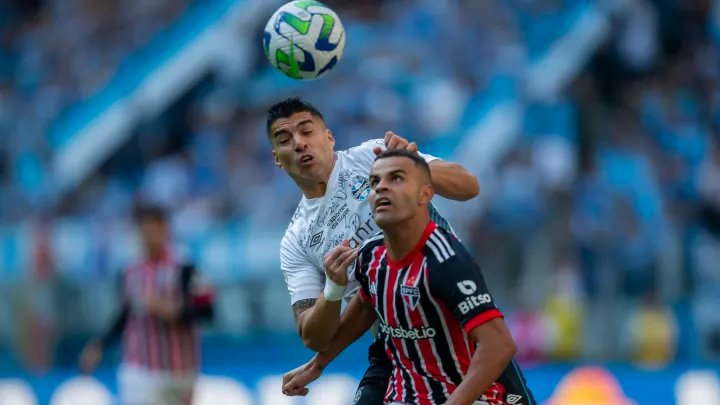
point(302, 306)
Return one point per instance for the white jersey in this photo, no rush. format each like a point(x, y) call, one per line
point(321, 224)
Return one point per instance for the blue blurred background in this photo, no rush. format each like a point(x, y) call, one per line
point(593, 126)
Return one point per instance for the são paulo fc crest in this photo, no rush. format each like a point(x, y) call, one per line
point(360, 187)
point(411, 296)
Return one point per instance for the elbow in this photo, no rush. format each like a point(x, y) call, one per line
point(509, 349)
point(472, 188)
point(314, 344)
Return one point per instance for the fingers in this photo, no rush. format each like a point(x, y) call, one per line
point(345, 259)
point(349, 260)
point(388, 136)
point(412, 147)
point(345, 243)
point(377, 150)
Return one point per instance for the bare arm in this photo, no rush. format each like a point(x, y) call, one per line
point(452, 181)
point(358, 317)
point(495, 349)
point(317, 320)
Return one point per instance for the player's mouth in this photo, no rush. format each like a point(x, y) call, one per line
point(382, 203)
point(306, 160)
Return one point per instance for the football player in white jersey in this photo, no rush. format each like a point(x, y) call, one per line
point(333, 219)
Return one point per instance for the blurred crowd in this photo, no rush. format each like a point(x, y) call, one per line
point(602, 233)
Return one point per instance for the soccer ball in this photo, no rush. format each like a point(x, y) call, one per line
point(304, 39)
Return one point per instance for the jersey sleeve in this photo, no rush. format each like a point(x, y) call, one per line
point(367, 149)
point(459, 283)
point(303, 279)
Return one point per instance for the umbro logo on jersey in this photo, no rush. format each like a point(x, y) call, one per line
point(467, 287)
point(513, 399)
point(373, 289)
point(316, 239)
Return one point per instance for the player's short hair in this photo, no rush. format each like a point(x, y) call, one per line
point(153, 212)
point(417, 159)
point(288, 107)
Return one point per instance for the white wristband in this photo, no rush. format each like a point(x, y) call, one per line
point(333, 291)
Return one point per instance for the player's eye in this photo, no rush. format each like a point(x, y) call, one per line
point(396, 178)
point(373, 182)
point(283, 140)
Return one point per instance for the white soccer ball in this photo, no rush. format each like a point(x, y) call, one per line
point(304, 39)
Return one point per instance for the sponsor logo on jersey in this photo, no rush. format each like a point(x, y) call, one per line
point(412, 334)
point(373, 289)
point(467, 287)
point(360, 187)
point(473, 302)
point(358, 394)
point(363, 232)
point(411, 296)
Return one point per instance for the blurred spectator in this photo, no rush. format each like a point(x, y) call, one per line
point(651, 333)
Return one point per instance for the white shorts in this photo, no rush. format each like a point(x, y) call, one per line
point(138, 386)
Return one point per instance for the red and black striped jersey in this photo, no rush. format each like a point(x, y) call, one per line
point(427, 303)
point(151, 342)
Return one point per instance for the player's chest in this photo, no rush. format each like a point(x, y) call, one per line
point(162, 280)
point(343, 214)
point(400, 297)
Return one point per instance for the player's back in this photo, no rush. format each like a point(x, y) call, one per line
point(427, 304)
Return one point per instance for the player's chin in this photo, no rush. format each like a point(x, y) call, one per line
point(384, 218)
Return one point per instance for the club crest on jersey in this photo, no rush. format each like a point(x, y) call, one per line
point(360, 187)
point(411, 296)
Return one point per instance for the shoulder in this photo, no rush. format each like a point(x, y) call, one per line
point(443, 249)
point(364, 151)
point(298, 216)
point(371, 243)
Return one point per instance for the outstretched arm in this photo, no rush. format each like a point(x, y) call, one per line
point(452, 181)
point(358, 317)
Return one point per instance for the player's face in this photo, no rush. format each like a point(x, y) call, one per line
point(397, 191)
point(153, 233)
point(303, 147)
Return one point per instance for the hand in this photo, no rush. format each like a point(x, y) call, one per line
point(91, 357)
point(295, 382)
point(337, 262)
point(393, 141)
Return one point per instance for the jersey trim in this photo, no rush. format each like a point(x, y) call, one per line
point(408, 259)
point(481, 319)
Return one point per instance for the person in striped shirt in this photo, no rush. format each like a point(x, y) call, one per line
point(162, 302)
point(447, 340)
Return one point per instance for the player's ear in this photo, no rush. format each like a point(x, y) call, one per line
point(331, 140)
point(427, 192)
point(277, 161)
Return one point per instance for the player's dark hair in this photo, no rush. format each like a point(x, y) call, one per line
point(288, 107)
point(151, 212)
point(417, 159)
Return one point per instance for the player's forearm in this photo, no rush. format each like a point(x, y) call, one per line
point(318, 324)
point(452, 181)
point(486, 366)
point(355, 321)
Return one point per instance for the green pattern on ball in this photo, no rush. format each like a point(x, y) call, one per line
point(329, 24)
point(307, 3)
point(293, 70)
point(296, 23)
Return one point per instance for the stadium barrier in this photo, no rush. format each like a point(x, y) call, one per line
point(260, 385)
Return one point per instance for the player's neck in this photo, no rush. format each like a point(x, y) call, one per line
point(404, 237)
point(317, 190)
